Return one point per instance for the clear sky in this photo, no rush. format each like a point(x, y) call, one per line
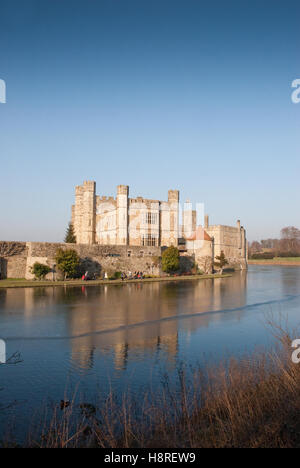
point(155, 94)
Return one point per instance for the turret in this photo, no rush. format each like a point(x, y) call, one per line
point(122, 214)
point(173, 200)
point(84, 213)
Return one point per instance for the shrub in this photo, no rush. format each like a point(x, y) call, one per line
point(115, 275)
point(40, 270)
point(262, 256)
point(288, 254)
point(67, 262)
point(170, 260)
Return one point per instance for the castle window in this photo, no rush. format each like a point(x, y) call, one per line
point(129, 253)
point(149, 240)
point(150, 218)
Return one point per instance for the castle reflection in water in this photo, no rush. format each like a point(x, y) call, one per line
point(146, 318)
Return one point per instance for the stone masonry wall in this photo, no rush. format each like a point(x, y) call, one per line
point(13, 265)
point(95, 259)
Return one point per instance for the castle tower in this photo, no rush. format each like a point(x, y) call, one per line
point(173, 201)
point(244, 252)
point(84, 212)
point(238, 225)
point(122, 214)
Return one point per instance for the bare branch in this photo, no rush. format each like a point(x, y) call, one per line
point(9, 249)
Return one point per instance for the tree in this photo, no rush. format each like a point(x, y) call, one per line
point(70, 237)
point(222, 261)
point(9, 249)
point(290, 232)
point(67, 262)
point(40, 270)
point(255, 246)
point(170, 259)
point(290, 239)
point(205, 264)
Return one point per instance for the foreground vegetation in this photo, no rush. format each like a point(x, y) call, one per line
point(254, 402)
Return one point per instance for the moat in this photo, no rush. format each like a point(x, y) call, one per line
point(88, 339)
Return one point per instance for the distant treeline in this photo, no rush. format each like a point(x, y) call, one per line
point(287, 246)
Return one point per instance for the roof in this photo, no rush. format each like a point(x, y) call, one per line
point(199, 234)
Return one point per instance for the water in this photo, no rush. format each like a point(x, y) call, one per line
point(86, 339)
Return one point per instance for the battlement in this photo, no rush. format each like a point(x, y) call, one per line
point(123, 190)
point(173, 195)
point(87, 186)
point(104, 198)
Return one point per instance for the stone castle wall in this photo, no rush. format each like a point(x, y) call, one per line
point(14, 265)
point(232, 241)
point(95, 259)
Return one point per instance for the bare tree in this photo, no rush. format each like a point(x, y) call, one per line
point(205, 264)
point(290, 232)
point(9, 249)
point(255, 247)
point(290, 238)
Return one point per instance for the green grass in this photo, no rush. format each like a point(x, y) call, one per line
point(23, 283)
point(276, 260)
point(14, 279)
point(288, 259)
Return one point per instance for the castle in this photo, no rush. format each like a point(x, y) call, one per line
point(125, 221)
point(129, 234)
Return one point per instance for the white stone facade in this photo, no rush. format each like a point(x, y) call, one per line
point(123, 220)
point(143, 222)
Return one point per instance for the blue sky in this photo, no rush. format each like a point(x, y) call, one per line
point(154, 94)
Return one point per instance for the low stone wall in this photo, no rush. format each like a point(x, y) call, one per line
point(96, 259)
point(13, 259)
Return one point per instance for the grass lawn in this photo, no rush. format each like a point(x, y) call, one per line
point(277, 261)
point(288, 259)
point(23, 283)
